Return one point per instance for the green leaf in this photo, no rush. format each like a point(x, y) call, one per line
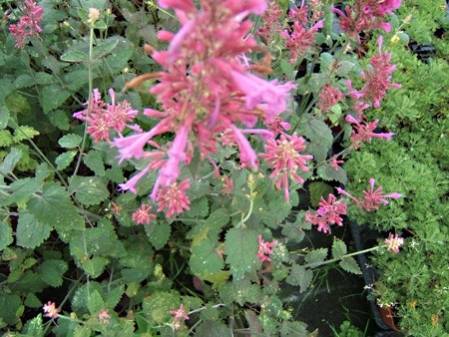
point(4, 116)
point(55, 208)
point(328, 173)
point(94, 161)
point(74, 56)
point(10, 305)
point(294, 329)
point(213, 329)
point(35, 327)
point(10, 162)
point(51, 271)
point(95, 302)
point(157, 306)
point(319, 134)
point(299, 276)
point(24, 133)
point(158, 233)
point(338, 249)
point(22, 190)
point(241, 249)
point(24, 81)
point(105, 47)
point(205, 260)
point(30, 232)
point(52, 97)
point(88, 190)
point(65, 159)
point(318, 190)
point(95, 266)
point(350, 265)
point(70, 141)
point(5, 235)
point(316, 256)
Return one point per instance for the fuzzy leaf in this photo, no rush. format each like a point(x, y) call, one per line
point(24, 133)
point(95, 302)
point(35, 327)
point(10, 162)
point(70, 141)
point(316, 256)
point(88, 190)
point(30, 232)
point(53, 96)
point(65, 159)
point(241, 250)
point(299, 276)
point(51, 271)
point(94, 161)
point(338, 249)
point(158, 233)
point(328, 173)
point(212, 329)
point(5, 235)
point(205, 260)
point(350, 265)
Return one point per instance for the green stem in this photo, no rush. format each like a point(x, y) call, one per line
point(314, 265)
point(89, 105)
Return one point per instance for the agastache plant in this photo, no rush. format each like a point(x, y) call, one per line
point(29, 24)
point(205, 89)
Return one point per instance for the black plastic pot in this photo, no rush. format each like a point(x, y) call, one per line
point(424, 52)
point(370, 275)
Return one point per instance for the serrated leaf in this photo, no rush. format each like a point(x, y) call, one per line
point(88, 190)
point(82, 331)
point(22, 190)
point(95, 266)
point(30, 232)
point(5, 235)
point(294, 329)
point(55, 208)
point(319, 134)
point(114, 296)
point(35, 327)
point(213, 329)
point(299, 276)
point(94, 161)
point(51, 271)
point(9, 307)
point(328, 173)
point(205, 260)
point(52, 97)
point(241, 251)
point(350, 265)
point(105, 47)
point(338, 249)
point(158, 233)
point(10, 162)
point(24, 133)
point(70, 141)
point(65, 159)
point(95, 302)
point(23, 81)
point(74, 56)
point(316, 256)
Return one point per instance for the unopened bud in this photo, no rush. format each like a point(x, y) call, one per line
point(408, 18)
point(395, 39)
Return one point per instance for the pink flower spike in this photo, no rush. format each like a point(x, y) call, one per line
point(183, 5)
point(329, 213)
point(394, 242)
point(248, 156)
point(173, 199)
point(50, 310)
point(130, 185)
point(143, 215)
point(265, 249)
point(336, 163)
point(394, 195)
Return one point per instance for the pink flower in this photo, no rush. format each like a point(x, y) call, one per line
point(336, 163)
point(228, 185)
point(329, 213)
point(265, 249)
point(29, 24)
point(285, 158)
point(329, 96)
point(363, 132)
point(103, 316)
point(143, 215)
point(271, 22)
point(50, 310)
point(299, 38)
point(101, 117)
point(372, 199)
point(173, 199)
point(179, 316)
point(394, 242)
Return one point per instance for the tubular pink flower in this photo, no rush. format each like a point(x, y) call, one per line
point(329, 213)
point(130, 185)
point(29, 24)
point(173, 199)
point(364, 132)
point(394, 242)
point(329, 96)
point(284, 157)
point(143, 215)
point(50, 310)
point(265, 249)
point(248, 156)
point(182, 5)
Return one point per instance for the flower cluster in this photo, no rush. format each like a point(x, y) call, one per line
point(196, 108)
point(377, 81)
point(284, 156)
point(179, 316)
point(101, 117)
point(301, 35)
point(265, 249)
point(29, 24)
point(394, 242)
point(366, 15)
point(373, 198)
point(50, 310)
point(271, 22)
point(329, 96)
point(329, 213)
point(363, 132)
point(143, 215)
